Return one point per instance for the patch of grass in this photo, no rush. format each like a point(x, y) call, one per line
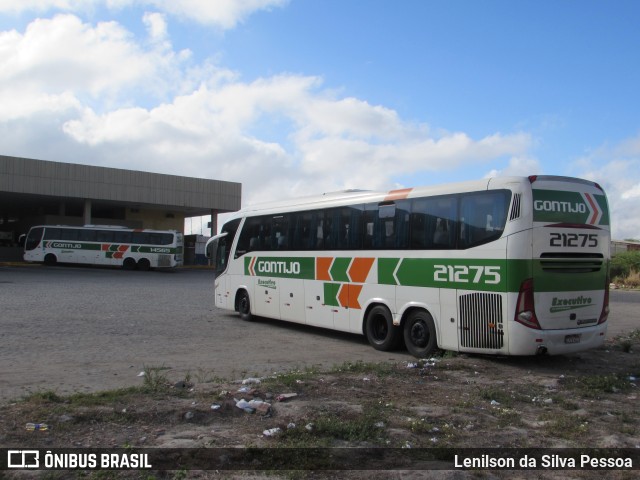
point(594, 386)
point(627, 340)
point(568, 427)
point(290, 379)
point(46, 396)
point(500, 395)
point(326, 429)
point(360, 367)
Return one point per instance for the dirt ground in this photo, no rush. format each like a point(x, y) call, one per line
point(587, 400)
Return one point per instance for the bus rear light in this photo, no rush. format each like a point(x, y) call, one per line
point(604, 315)
point(525, 311)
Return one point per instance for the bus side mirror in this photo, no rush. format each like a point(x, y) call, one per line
point(21, 239)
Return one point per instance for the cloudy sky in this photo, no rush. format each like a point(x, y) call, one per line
point(295, 97)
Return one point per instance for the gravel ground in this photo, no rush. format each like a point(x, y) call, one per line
point(73, 329)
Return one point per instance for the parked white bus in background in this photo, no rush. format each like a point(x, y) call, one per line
point(104, 245)
point(505, 266)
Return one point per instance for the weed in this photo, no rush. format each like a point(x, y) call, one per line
point(155, 379)
point(569, 427)
point(594, 386)
point(360, 367)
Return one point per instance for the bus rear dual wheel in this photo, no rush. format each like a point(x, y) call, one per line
point(418, 331)
point(142, 264)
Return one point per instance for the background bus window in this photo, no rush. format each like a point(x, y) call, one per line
point(86, 235)
point(52, 233)
point(69, 234)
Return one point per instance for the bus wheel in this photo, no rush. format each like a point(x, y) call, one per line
point(244, 306)
point(420, 334)
point(129, 264)
point(381, 333)
point(144, 264)
point(50, 259)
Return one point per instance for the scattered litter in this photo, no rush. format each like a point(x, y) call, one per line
point(180, 384)
point(253, 405)
point(434, 440)
point(366, 379)
point(251, 381)
point(189, 416)
point(245, 390)
point(309, 427)
point(379, 425)
point(242, 404)
point(37, 427)
point(216, 406)
point(291, 425)
point(632, 378)
point(412, 365)
point(271, 432)
point(285, 396)
point(495, 403)
point(141, 374)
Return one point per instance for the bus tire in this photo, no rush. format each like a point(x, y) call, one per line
point(144, 264)
point(379, 329)
point(420, 334)
point(50, 259)
point(129, 264)
point(244, 306)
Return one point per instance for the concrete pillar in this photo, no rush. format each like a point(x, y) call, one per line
point(214, 222)
point(87, 212)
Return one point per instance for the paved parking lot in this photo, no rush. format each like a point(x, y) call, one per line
point(71, 329)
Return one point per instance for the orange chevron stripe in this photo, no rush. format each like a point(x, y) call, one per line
point(360, 268)
point(398, 194)
point(348, 296)
point(323, 264)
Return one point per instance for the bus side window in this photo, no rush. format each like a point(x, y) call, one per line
point(123, 237)
point(87, 235)
point(68, 234)
point(105, 236)
point(52, 233)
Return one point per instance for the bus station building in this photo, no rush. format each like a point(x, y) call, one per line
point(41, 192)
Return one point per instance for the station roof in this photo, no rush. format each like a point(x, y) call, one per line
point(27, 182)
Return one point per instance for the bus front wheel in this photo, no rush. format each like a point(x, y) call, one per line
point(379, 329)
point(50, 259)
point(420, 334)
point(244, 306)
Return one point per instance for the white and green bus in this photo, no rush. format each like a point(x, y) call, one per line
point(104, 245)
point(505, 266)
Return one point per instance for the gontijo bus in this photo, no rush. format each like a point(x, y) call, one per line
point(508, 266)
point(104, 245)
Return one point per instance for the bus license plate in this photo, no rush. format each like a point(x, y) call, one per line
point(572, 338)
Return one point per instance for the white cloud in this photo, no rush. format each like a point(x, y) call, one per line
point(225, 14)
point(616, 170)
point(518, 166)
point(156, 25)
point(70, 92)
